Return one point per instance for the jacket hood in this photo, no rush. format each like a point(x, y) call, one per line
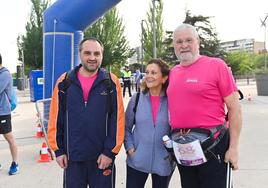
point(3, 69)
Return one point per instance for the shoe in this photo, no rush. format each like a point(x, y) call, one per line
point(14, 168)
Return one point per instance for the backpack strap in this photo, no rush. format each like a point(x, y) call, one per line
point(66, 84)
point(241, 96)
point(108, 84)
point(135, 106)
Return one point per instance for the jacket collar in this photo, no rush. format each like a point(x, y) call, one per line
point(3, 69)
point(162, 94)
point(101, 75)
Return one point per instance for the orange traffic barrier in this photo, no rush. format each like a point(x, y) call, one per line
point(44, 157)
point(249, 97)
point(39, 133)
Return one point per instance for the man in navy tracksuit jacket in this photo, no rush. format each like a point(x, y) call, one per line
point(81, 132)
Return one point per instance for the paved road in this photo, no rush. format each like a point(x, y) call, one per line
point(253, 171)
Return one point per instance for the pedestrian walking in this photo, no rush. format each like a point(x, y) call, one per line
point(5, 116)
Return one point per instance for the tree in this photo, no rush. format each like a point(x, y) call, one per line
point(168, 53)
point(208, 37)
point(209, 43)
point(30, 45)
point(259, 62)
point(147, 38)
point(110, 30)
point(241, 63)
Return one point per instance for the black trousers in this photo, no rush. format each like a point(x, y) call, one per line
point(211, 174)
point(137, 179)
point(127, 85)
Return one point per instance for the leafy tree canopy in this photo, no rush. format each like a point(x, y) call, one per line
point(209, 43)
point(147, 38)
point(30, 45)
point(110, 30)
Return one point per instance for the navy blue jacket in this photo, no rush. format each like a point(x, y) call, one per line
point(85, 130)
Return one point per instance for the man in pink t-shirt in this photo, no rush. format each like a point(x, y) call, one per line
point(199, 89)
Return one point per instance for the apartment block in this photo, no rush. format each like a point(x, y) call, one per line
point(247, 45)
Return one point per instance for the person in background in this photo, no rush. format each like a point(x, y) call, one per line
point(5, 116)
point(126, 79)
point(146, 153)
point(199, 88)
point(86, 121)
point(138, 79)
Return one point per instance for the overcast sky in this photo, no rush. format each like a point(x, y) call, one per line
point(233, 19)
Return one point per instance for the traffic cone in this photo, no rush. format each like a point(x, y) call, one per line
point(249, 97)
point(44, 157)
point(39, 133)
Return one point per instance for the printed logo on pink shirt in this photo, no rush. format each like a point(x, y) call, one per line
point(190, 80)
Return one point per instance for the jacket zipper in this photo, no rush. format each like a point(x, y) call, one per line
point(67, 123)
point(153, 152)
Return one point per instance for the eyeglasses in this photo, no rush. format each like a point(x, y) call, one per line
point(188, 41)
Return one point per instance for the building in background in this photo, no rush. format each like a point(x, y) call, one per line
point(247, 45)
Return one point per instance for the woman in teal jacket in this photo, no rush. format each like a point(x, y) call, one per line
point(146, 153)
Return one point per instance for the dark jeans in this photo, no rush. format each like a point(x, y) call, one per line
point(82, 174)
point(137, 179)
point(137, 87)
point(211, 174)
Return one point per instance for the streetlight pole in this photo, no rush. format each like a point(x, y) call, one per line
point(264, 25)
point(154, 32)
point(265, 64)
point(142, 33)
point(23, 71)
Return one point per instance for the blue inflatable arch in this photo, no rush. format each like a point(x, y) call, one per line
point(64, 23)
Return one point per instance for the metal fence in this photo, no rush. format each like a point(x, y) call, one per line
point(245, 79)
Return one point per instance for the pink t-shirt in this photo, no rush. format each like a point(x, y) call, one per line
point(195, 93)
point(86, 83)
point(155, 101)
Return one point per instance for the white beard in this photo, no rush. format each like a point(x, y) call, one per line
point(185, 56)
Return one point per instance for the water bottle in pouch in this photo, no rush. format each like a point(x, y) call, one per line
point(167, 141)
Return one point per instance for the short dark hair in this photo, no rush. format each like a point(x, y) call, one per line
point(90, 38)
point(164, 70)
point(0, 59)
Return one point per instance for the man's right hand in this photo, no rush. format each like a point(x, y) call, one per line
point(62, 161)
